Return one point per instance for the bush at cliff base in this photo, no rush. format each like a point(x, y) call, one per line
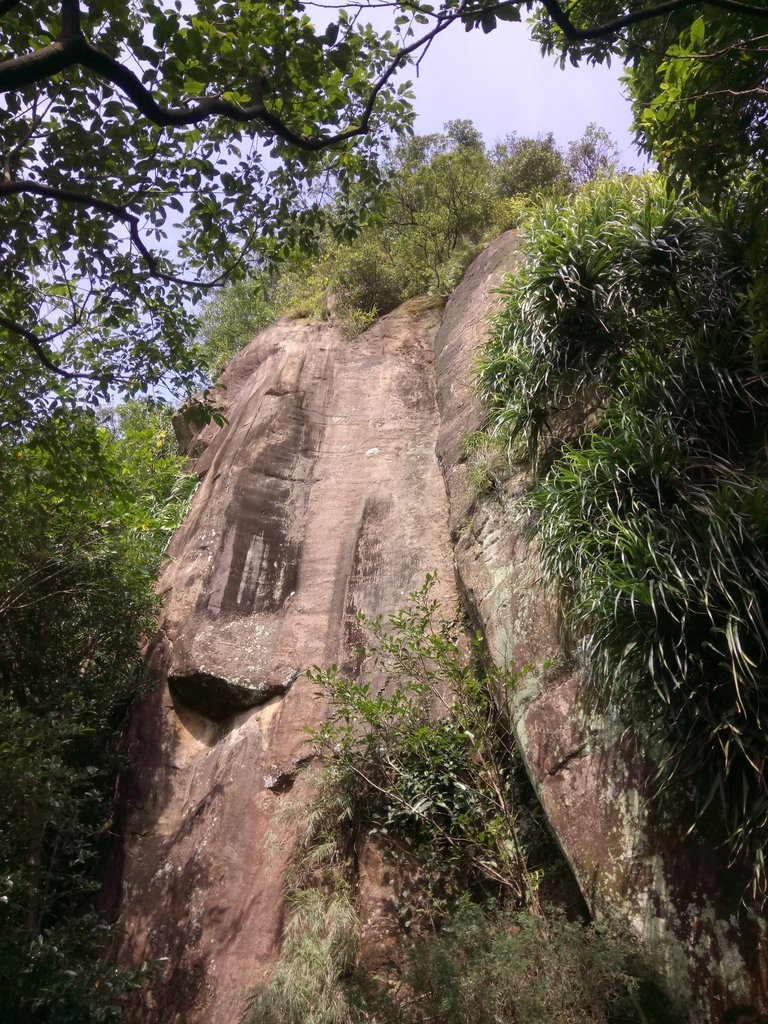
point(83, 519)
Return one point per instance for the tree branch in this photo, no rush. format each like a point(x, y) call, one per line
point(38, 346)
point(73, 49)
point(574, 34)
point(119, 213)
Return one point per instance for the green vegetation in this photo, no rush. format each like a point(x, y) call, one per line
point(449, 781)
point(481, 967)
point(319, 953)
point(441, 197)
point(418, 757)
point(84, 516)
point(630, 362)
point(518, 967)
point(225, 125)
point(625, 357)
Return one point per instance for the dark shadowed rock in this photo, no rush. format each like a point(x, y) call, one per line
point(220, 698)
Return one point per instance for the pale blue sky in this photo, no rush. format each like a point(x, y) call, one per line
point(501, 82)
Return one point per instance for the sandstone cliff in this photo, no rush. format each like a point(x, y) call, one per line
point(321, 497)
point(630, 854)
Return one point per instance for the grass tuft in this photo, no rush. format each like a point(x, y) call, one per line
point(632, 318)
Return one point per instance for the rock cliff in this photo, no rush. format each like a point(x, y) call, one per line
point(338, 482)
point(631, 855)
point(321, 497)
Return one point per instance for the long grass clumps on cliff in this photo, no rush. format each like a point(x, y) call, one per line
point(419, 774)
point(626, 359)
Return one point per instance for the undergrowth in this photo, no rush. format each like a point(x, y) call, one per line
point(623, 358)
point(418, 757)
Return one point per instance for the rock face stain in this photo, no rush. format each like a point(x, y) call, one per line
point(320, 498)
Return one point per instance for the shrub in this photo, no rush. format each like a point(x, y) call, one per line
point(631, 315)
point(519, 968)
point(449, 782)
point(365, 276)
point(419, 754)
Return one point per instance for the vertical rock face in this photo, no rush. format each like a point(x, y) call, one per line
point(320, 498)
point(630, 854)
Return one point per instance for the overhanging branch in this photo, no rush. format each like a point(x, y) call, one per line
point(39, 347)
point(574, 34)
point(119, 213)
point(72, 49)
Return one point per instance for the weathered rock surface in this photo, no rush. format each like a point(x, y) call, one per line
point(630, 854)
point(321, 498)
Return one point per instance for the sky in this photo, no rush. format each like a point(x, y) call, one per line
point(502, 84)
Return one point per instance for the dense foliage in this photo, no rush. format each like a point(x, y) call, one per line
point(481, 967)
point(225, 126)
point(83, 519)
point(441, 196)
point(125, 126)
point(624, 354)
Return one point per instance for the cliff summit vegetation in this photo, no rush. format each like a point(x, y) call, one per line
point(440, 198)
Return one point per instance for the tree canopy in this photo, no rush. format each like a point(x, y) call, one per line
point(152, 151)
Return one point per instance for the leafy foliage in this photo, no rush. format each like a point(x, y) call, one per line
point(154, 125)
point(629, 334)
point(519, 968)
point(450, 782)
point(480, 968)
point(698, 97)
point(527, 166)
point(419, 755)
point(227, 126)
point(76, 602)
